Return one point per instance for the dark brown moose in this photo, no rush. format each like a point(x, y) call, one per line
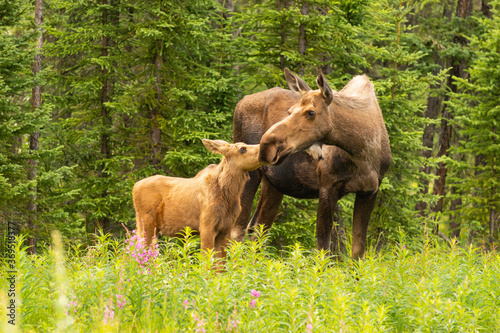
point(208, 203)
point(354, 159)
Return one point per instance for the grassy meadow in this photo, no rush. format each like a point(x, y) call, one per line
point(114, 286)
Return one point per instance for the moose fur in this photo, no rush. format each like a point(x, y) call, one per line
point(355, 152)
point(208, 203)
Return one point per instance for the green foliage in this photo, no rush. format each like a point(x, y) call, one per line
point(131, 87)
point(16, 57)
point(477, 115)
point(270, 34)
point(18, 119)
point(295, 224)
point(160, 70)
point(402, 90)
point(99, 289)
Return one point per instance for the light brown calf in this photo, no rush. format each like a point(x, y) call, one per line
point(208, 203)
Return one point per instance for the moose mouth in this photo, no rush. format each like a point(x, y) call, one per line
point(278, 157)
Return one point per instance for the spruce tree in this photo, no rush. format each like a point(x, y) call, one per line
point(476, 109)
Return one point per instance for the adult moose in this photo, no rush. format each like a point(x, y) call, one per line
point(354, 159)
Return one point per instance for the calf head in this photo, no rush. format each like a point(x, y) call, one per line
point(240, 155)
point(308, 121)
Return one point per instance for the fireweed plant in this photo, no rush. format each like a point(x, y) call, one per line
point(144, 255)
point(111, 287)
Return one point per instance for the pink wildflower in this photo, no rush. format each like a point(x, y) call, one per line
point(70, 305)
point(309, 327)
point(143, 255)
point(120, 301)
point(252, 303)
point(255, 293)
point(109, 314)
point(200, 324)
point(186, 303)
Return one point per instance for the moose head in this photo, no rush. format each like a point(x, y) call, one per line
point(308, 122)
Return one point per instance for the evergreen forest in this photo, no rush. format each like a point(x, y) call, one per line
point(96, 95)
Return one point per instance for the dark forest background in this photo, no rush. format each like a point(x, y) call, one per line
point(95, 95)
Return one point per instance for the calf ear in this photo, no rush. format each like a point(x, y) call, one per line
point(216, 146)
point(295, 83)
point(324, 87)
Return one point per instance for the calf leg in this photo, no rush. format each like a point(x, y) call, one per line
point(207, 238)
point(145, 228)
point(247, 196)
point(221, 241)
point(363, 207)
point(267, 207)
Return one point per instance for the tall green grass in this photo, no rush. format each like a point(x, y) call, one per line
point(103, 289)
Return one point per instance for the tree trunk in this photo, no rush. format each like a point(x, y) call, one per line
point(302, 37)
point(464, 8)
point(455, 220)
point(493, 224)
point(434, 105)
point(493, 219)
point(486, 9)
point(282, 5)
point(443, 145)
point(455, 225)
point(104, 222)
point(36, 102)
point(229, 5)
point(155, 110)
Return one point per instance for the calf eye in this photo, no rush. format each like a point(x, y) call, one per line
point(243, 150)
point(311, 114)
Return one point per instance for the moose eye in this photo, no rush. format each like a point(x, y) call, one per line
point(311, 114)
point(243, 150)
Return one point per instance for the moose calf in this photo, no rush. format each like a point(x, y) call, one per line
point(208, 203)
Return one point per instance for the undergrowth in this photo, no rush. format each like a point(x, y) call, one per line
point(106, 288)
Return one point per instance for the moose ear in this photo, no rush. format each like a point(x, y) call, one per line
point(216, 146)
point(324, 87)
point(295, 83)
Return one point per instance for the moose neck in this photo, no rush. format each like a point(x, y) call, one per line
point(356, 122)
point(354, 130)
point(231, 179)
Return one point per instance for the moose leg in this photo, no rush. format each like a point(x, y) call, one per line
point(338, 234)
point(327, 204)
point(268, 206)
point(363, 207)
point(247, 196)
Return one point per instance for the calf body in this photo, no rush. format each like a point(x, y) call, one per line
point(208, 203)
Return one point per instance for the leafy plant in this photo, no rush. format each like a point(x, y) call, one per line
point(436, 289)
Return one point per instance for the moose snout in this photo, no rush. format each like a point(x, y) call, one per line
point(270, 148)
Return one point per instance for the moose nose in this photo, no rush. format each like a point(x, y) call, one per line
point(271, 139)
point(270, 147)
